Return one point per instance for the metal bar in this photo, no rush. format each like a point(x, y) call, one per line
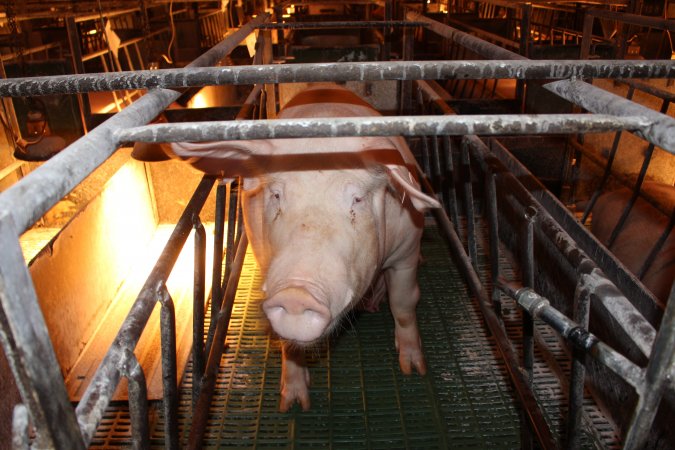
point(579, 337)
point(20, 424)
point(198, 302)
point(468, 206)
point(661, 131)
point(658, 245)
point(658, 376)
point(194, 76)
point(582, 310)
point(608, 168)
point(222, 320)
point(493, 224)
point(649, 152)
point(530, 216)
point(451, 182)
point(340, 24)
point(169, 367)
point(25, 339)
point(231, 227)
point(634, 19)
point(217, 268)
point(477, 45)
point(381, 126)
point(523, 391)
point(27, 200)
point(97, 396)
point(630, 322)
point(138, 401)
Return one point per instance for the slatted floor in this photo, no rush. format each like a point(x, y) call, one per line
point(360, 399)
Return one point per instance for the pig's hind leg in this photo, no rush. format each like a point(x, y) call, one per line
point(404, 294)
point(294, 377)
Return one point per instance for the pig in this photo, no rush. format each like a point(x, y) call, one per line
point(331, 221)
point(644, 226)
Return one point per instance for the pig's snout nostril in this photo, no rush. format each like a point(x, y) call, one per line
point(297, 315)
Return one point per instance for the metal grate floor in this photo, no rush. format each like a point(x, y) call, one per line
point(360, 399)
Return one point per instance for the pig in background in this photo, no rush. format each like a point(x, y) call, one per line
point(330, 221)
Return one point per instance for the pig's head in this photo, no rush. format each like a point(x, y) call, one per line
point(316, 221)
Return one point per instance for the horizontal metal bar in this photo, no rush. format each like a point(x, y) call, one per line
point(661, 130)
point(341, 24)
point(341, 71)
point(634, 19)
point(379, 126)
point(32, 196)
point(539, 307)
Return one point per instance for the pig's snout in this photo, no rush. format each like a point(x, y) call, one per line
point(296, 315)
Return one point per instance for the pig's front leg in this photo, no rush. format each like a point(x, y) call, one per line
point(294, 377)
point(404, 294)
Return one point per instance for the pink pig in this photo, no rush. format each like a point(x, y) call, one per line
point(331, 221)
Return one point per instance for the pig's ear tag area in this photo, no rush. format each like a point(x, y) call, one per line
point(403, 180)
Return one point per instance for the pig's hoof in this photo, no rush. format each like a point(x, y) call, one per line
point(410, 356)
point(412, 359)
point(291, 395)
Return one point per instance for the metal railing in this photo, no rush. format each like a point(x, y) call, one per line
point(34, 363)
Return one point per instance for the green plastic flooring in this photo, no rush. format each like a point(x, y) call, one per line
point(360, 399)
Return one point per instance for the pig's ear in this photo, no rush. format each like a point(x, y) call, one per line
point(225, 159)
point(403, 180)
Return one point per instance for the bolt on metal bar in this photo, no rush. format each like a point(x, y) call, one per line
point(196, 76)
point(380, 126)
point(27, 200)
point(661, 130)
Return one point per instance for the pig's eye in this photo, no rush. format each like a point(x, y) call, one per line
point(356, 200)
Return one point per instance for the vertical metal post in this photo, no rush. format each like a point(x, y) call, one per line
point(582, 300)
point(217, 273)
point(468, 205)
point(26, 342)
point(638, 184)
point(449, 181)
point(658, 375)
point(138, 401)
point(232, 225)
point(528, 281)
point(493, 224)
point(587, 38)
point(169, 367)
point(78, 67)
point(198, 300)
point(406, 85)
